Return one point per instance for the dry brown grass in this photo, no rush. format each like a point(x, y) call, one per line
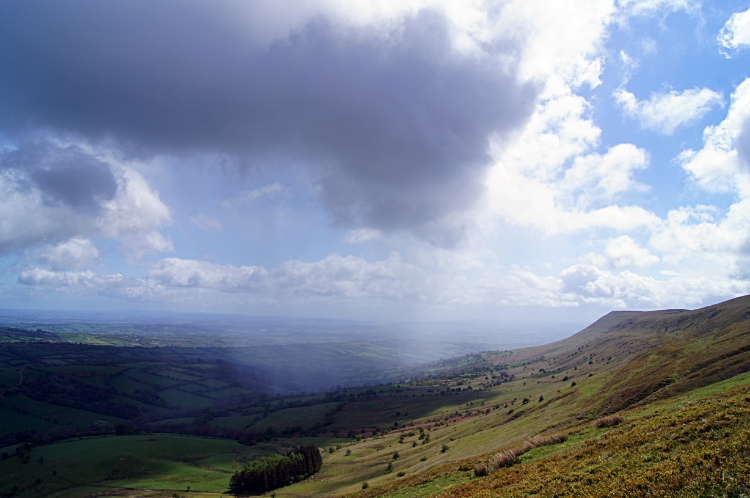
point(510, 456)
point(609, 421)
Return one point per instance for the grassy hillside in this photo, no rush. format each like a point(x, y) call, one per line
point(424, 435)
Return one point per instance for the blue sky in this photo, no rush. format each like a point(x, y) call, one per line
point(399, 160)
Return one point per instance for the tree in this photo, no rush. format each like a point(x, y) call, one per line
point(276, 471)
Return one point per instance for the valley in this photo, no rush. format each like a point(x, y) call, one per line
point(106, 420)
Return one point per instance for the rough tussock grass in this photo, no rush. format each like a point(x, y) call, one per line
point(509, 457)
point(609, 421)
point(698, 449)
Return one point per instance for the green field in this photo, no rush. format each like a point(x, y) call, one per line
point(151, 462)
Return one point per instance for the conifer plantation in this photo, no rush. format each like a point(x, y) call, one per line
point(275, 471)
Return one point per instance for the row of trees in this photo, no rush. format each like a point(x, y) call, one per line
point(275, 471)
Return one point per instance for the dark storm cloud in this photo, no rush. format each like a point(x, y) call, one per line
point(65, 175)
point(393, 124)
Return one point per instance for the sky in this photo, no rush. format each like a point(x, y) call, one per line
point(411, 159)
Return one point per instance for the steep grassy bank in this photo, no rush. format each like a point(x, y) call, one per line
point(695, 445)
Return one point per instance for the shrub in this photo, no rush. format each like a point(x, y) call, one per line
point(365, 485)
point(481, 469)
point(609, 421)
point(510, 456)
point(401, 474)
point(444, 448)
point(505, 459)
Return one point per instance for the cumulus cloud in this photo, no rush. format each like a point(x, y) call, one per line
point(624, 252)
point(700, 234)
point(334, 280)
point(602, 177)
point(41, 276)
point(391, 118)
point(61, 194)
point(72, 253)
point(594, 286)
point(351, 281)
point(665, 112)
point(722, 165)
point(546, 179)
point(735, 34)
point(337, 277)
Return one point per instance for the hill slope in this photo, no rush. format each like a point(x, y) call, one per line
point(424, 436)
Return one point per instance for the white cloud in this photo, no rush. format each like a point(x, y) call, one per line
point(665, 112)
point(351, 281)
point(624, 252)
point(334, 278)
point(595, 177)
point(694, 234)
point(73, 253)
point(721, 166)
point(135, 217)
point(177, 272)
point(206, 223)
point(41, 276)
point(85, 195)
point(562, 40)
point(545, 179)
point(594, 286)
point(549, 175)
point(651, 7)
point(735, 34)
